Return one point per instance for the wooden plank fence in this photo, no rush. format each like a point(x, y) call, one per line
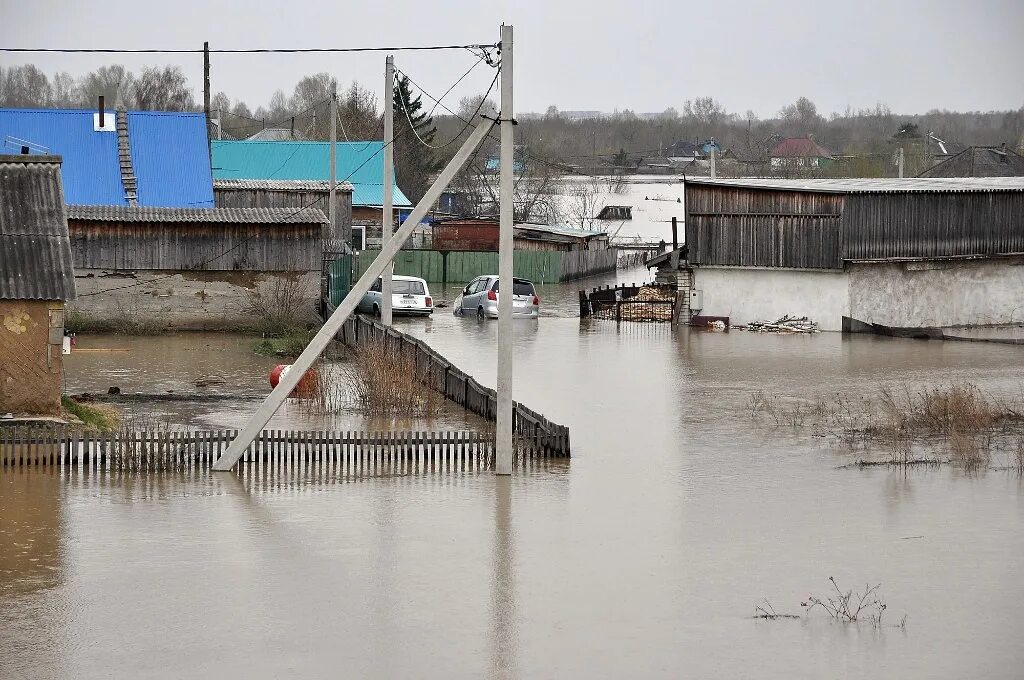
point(533, 432)
point(339, 453)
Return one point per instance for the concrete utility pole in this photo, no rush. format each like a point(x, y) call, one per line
point(899, 162)
point(326, 334)
point(332, 213)
point(506, 215)
point(387, 215)
point(713, 172)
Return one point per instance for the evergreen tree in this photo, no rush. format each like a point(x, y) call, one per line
point(415, 162)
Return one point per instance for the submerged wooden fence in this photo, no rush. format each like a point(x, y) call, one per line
point(533, 432)
point(334, 453)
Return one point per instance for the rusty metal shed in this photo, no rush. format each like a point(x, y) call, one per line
point(821, 224)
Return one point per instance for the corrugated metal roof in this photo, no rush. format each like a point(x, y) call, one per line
point(280, 184)
point(872, 185)
point(111, 213)
point(171, 159)
point(168, 150)
point(360, 163)
point(90, 171)
point(35, 251)
point(561, 230)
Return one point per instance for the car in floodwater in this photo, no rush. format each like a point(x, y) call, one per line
point(480, 297)
point(409, 295)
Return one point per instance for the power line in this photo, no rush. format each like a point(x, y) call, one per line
point(454, 139)
point(302, 50)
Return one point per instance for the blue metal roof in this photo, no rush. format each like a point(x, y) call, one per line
point(359, 163)
point(90, 172)
point(171, 159)
point(169, 155)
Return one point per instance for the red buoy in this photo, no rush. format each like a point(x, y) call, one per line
point(307, 385)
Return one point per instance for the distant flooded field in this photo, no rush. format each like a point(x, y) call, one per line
point(642, 557)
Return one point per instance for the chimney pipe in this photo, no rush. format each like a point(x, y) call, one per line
point(102, 117)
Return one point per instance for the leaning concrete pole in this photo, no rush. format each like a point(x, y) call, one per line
point(506, 215)
point(387, 215)
point(323, 338)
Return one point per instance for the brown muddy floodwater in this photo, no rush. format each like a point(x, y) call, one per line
point(643, 557)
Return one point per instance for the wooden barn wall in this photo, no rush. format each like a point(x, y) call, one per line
point(921, 225)
point(201, 247)
point(763, 228)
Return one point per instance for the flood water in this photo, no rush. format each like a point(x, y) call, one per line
point(643, 557)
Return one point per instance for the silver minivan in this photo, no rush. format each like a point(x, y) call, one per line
point(480, 297)
point(409, 295)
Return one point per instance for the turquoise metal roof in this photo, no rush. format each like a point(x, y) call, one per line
point(360, 163)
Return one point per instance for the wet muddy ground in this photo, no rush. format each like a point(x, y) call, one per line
point(643, 557)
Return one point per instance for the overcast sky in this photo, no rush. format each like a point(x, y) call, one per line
point(645, 56)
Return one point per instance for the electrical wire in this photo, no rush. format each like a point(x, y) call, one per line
point(302, 50)
point(456, 138)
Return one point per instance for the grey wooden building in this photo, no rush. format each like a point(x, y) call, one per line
point(921, 252)
point(288, 193)
point(196, 268)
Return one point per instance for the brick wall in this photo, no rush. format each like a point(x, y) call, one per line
point(30, 356)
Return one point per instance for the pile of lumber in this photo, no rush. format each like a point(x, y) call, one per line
point(787, 324)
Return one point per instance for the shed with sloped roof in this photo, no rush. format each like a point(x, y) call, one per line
point(36, 279)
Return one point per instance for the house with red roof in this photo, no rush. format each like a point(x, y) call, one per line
point(799, 152)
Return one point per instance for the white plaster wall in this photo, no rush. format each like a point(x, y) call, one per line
point(953, 293)
point(194, 300)
point(746, 295)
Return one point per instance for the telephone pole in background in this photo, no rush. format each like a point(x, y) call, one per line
point(206, 97)
point(506, 215)
point(331, 211)
point(387, 212)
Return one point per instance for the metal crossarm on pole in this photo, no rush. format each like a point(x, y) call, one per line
point(330, 328)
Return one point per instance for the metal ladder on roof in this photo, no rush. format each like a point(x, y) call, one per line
point(124, 155)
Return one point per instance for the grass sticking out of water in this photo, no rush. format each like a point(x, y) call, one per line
point(287, 346)
point(100, 417)
point(959, 419)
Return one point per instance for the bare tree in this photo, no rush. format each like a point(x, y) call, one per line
point(162, 89)
point(114, 82)
point(23, 86)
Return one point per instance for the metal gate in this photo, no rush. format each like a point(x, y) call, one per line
point(335, 277)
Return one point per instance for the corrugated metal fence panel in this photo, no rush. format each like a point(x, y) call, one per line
point(171, 159)
point(922, 225)
point(216, 247)
point(35, 254)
